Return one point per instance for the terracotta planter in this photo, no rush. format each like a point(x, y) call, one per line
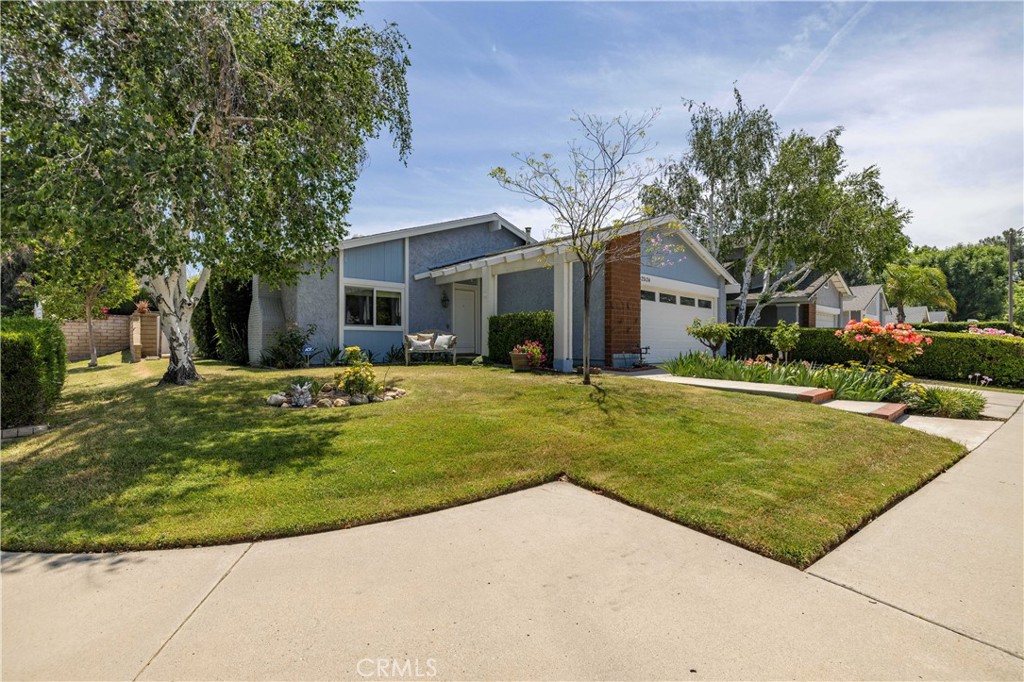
point(520, 361)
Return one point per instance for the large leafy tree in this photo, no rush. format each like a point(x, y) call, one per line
point(211, 134)
point(593, 195)
point(775, 206)
point(916, 285)
point(976, 274)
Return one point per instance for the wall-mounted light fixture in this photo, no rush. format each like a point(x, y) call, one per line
point(444, 299)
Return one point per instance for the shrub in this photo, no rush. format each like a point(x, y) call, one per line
point(785, 337)
point(511, 329)
point(954, 357)
point(712, 335)
point(950, 357)
point(358, 377)
point(230, 300)
point(34, 367)
point(286, 351)
point(953, 403)
point(889, 343)
point(1002, 325)
point(204, 334)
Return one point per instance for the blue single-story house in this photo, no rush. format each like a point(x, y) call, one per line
point(453, 276)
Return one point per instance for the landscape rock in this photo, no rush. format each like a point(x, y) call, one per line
point(358, 399)
point(276, 400)
point(324, 402)
point(376, 399)
point(340, 402)
point(327, 388)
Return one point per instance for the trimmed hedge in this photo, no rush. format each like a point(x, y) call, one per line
point(953, 356)
point(950, 357)
point(34, 366)
point(1002, 325)
point(511, 329)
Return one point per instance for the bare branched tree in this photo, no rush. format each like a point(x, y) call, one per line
point(593, 197)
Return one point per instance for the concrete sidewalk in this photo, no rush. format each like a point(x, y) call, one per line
point(953, 552)
point(554, 582)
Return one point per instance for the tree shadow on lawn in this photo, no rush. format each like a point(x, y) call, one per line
point(151, 452)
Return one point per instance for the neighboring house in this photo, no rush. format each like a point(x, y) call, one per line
point(918, 314)
point(454, 276)
point(868, 301)
point(817, 301)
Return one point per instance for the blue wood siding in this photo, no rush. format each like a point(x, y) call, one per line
point(384, 262)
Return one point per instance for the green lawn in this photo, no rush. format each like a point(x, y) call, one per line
point(131, 466)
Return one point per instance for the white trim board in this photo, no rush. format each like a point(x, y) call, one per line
point(675, 285)
point(418, 230)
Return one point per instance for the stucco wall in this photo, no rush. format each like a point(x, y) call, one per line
point(526, 291)
point(596, 317)
point(442, 248)
point(317, 304)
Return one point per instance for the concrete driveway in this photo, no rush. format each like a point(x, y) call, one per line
point(550, 583)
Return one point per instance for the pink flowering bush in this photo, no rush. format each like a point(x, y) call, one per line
point(890, 343)
point(534, 351)
point(987, 331)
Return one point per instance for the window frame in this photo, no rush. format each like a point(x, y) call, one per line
point(702, 301)
point(374, 287)
point(663, 295)
point(653, 298)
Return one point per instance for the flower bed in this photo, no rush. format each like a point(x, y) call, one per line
point(849, 382)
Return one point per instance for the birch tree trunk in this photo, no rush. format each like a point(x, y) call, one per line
point(176, 308)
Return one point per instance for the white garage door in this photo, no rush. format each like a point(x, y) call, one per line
point(825, 320)
point(664, 317)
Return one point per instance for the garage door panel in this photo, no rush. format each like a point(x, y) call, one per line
point(663, 328)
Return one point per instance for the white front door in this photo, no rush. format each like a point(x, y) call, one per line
point(466, 319)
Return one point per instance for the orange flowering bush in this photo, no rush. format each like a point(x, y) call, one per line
point(888, 343)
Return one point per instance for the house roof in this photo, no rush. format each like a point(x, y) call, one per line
point(561, 245)
point(862, 296)
point(914, 314)
point(938, 316)
point(806, 289)
point(497, 221)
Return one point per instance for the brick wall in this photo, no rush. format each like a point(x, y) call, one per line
point(110, 333)
point(622, 297)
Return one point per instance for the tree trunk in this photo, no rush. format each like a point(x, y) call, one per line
point(588, 276)
point(176, 308)
point(748, 273)
point(182, 369)
point(90, 300)
point(901, 315)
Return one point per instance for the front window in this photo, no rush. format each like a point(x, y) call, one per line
point(704, 303)
point(366, 306)
point(389, 309)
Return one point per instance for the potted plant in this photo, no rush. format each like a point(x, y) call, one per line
point(527, 355)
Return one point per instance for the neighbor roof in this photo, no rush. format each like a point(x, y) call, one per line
point(862, 296)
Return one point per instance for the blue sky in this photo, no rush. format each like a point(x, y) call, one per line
point(932, 93)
